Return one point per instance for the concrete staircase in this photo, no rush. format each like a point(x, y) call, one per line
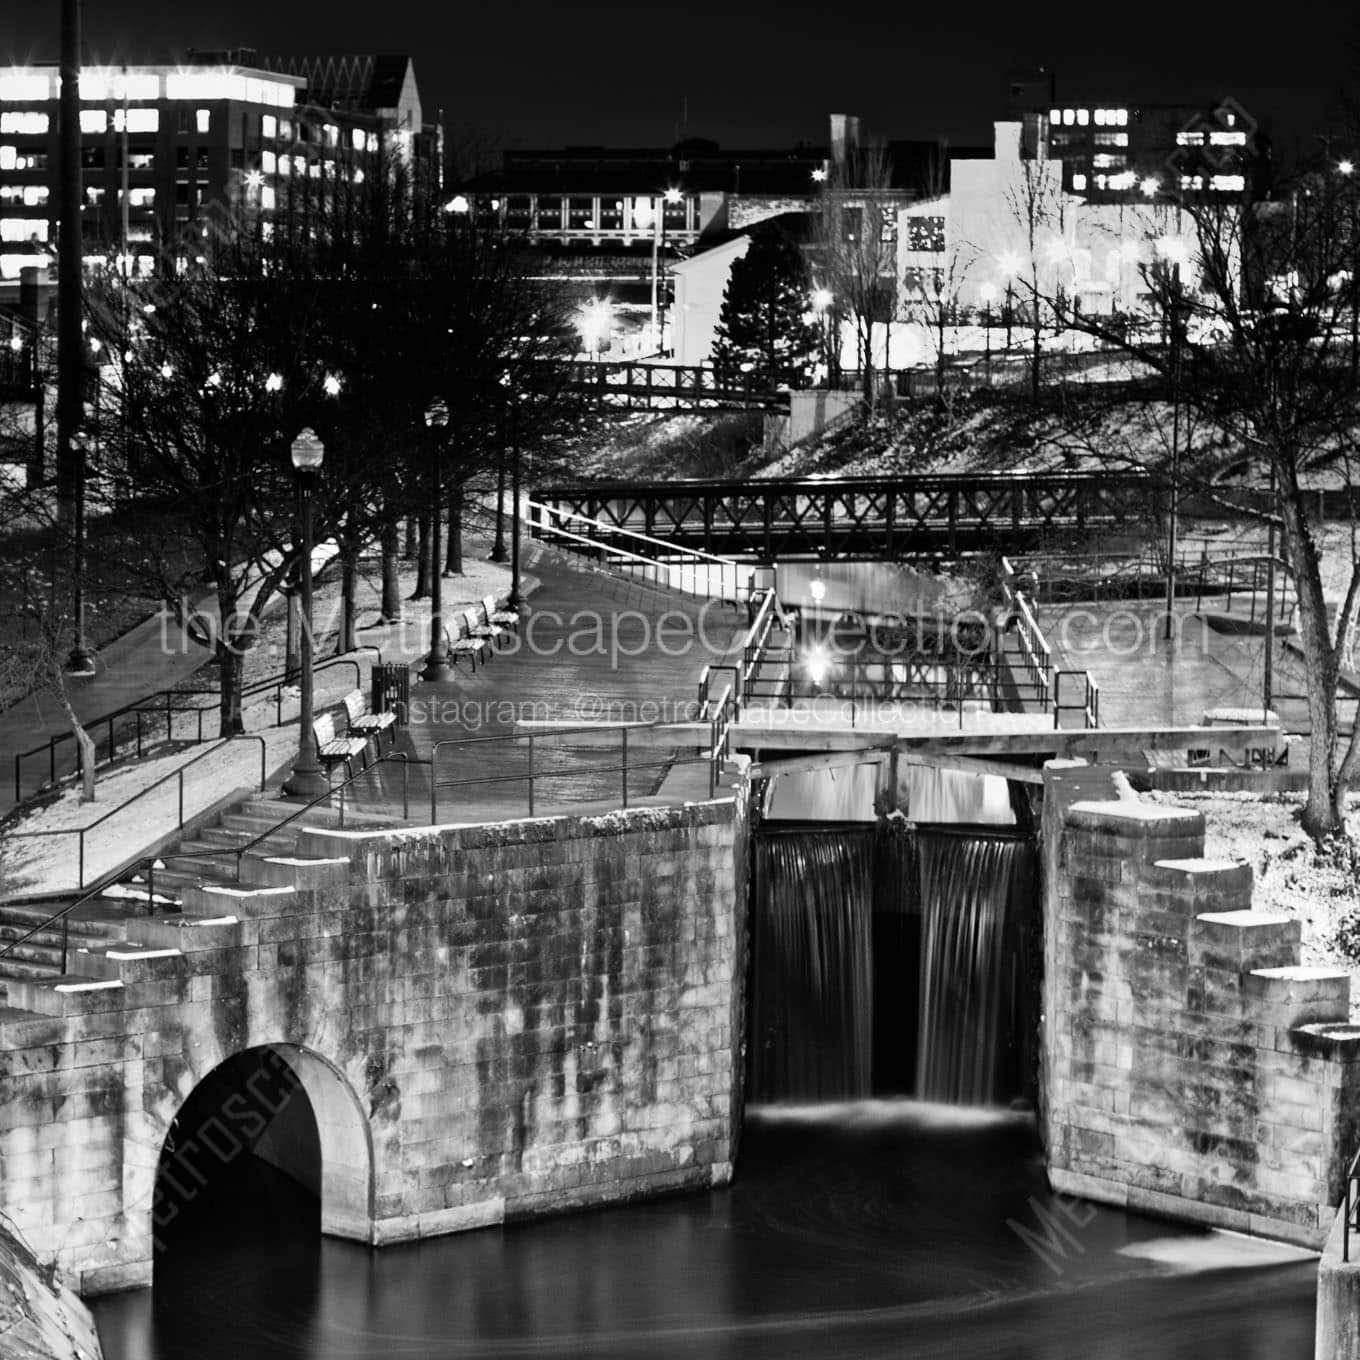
point(209, 857)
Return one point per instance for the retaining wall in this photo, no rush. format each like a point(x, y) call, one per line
point(1192, 1067)
point(490, 1022)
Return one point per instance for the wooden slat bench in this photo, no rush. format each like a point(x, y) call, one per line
point(468, 641)
point(362, 723)
point(334, 750)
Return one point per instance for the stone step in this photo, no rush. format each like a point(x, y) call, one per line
point(20, 917)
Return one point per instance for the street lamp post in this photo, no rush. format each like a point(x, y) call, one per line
point(514, 599)
point(307, 779)
point(437, 665)
point(988, 291)
point(1176, 321)
point(1347, 168)
point(498, 551)
point(80, 662)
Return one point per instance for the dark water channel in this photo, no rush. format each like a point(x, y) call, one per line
point(874, 1228)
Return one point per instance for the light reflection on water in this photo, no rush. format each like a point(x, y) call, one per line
point(878, 1228)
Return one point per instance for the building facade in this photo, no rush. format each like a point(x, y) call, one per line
point(161, 146)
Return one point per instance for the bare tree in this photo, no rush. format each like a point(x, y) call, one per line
point(855, 247)
point(1252, 316)
point(1034, 200)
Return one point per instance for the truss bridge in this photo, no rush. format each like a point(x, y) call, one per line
point(877, 517)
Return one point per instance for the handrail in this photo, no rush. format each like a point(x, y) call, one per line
point(602, 489)
point(148, 862)
point(711, 756)
point(176, 773)
point(672, 557)
point(151, 704)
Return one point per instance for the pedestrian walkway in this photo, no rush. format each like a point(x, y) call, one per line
point(590, 649)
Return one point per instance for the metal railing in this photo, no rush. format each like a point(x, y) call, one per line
point(690, 571)
point(712, 753)
point(1087, 703)
point(162, 703)
point(147, 865)
point(80, 832)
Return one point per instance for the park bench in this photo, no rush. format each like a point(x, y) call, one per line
point(492, 623)
point(468, 641)
point(365, 724)
point(503, 618)
point(332, 749)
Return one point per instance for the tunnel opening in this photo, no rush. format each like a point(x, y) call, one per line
point(241, 1160)
point(892, 959)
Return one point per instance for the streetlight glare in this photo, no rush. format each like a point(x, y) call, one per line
point(1346, 167)
point(167, 371)
point(332, 385)
point(274, 383)
point(822, 298)
point(594, 322)
point(457, 204)
point(673, 196)
point(1009, 262)
point(1150, 187)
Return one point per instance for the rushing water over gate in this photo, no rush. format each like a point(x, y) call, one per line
point(890, 961)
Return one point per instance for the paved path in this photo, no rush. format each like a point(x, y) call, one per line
point(588, 650)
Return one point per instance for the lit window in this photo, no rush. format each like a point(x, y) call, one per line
point(1189, 139)
point(30, 124)
point(141, 198)
point(1192, 181)
point(285, 164)
point(1083, 117)
point(285, 127)
point(8, 156)
point(1100, 181)
point(332, 134)
point(203, 119)
point(360, 139)
point(1079, 182)
point(267, 199)
point(97, 86)
point(93, 120)
point(22, 229)
point(1068, 118)
point(1055, 116)
point(138, 120)
point(1121, 117)
point(1227, 139)
point(1107, 160)
point(268, 162)
point(35, 195)
point(1228, 184)
point(269, 126)
point(24, 89)
point(10, 265)
point(1100, 117)
point(1122, 182)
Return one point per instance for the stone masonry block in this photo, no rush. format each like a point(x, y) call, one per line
point(1297, 995)
point(1245, 940)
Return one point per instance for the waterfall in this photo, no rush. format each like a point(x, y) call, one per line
point(812, 988)
point(974, 894)
point(890, 960)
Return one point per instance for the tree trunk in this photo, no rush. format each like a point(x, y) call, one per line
point(347, 636)
point(1038, 350)
point(391, 569)
point(409, 548)
point(1324, 812)
point(85, 750)
point(231, 668)
point(422, 589)
point(453, 561)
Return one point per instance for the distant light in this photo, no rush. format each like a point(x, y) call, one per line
point(457, 204)
point(214, 379)
point(95, 346)
point(822, 298)
point(674, 196)
point(1150, 186)
point(817, 589)
point(1009, 263)
point(274, 383)
point(16, 343)
point(819, 174)
point(149, 308)
point(987, 291)
point(817, 665)
point(254, 178)
point(1346, 167)
point(167, 371)
point(332, 385)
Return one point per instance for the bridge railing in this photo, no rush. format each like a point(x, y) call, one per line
point(944, 514)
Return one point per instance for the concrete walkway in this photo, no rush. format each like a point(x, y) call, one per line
point(591, 648)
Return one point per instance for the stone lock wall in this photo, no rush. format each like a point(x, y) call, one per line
point(490, 1022)
point(1192, 1067)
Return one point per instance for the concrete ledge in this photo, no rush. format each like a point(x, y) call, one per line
point(244, 901)
point(298, 874)
point(115, 1279)
point(186, 934)
point(1129, 817)
point(1245, 940)
point(1299, 995)
point(1338, 1041)
point(484, 1214)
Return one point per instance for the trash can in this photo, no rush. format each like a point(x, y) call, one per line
point(392, 690)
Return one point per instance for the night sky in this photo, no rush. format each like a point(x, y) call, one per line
point(757, 74)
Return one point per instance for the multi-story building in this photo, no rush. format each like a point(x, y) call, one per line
point(161, 145)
